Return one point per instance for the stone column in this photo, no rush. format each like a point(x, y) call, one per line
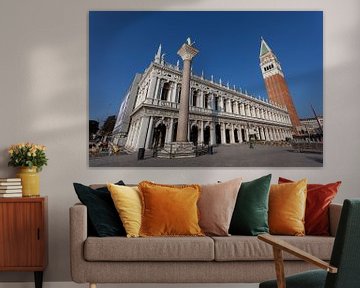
point(223, 134)
point(221, 104)
point(200, 139)
point(276, 135)
point(232, 135)
point(247, 134)
point(129, 135)
point(149, 133)
point(236, 105)
point(247, 110)
point(253, 112)
point(158, 88)
point(173, 91)
point(169, 132)
point(283, 135)
point(228, 106)
point(140, 141)
point(262, 114)
point(267, 134)
point(240, 134)
point(152, 87)
point(271, 133)
point(242, 109)
point(200, 99)
point(212, 134)
point(209, 102)
point(262, 134)
point(133, 133)
point(186, 52)
point(266, 115)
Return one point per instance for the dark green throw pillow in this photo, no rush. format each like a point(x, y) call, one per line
point(250, 216)
point(103, 218)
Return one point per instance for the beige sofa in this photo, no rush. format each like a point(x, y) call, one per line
point(234, 259)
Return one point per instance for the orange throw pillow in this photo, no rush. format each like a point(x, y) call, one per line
point(318, 200)
point(169, 210)
point(287, 204)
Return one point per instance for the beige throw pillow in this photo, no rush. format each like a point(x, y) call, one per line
point(216, 206)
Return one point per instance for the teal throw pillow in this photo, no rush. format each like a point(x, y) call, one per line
point(250, 216)
point(103, 219)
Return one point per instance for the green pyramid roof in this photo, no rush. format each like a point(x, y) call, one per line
point(264, 48)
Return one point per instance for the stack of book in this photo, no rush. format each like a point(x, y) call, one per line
point(10, 187)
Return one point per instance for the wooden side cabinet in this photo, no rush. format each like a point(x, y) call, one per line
point(23, 235)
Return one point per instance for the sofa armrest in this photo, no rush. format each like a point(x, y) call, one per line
point(78, 235)
point(334, 217)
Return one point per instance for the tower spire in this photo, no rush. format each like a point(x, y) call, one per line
point(264, 47)
point(157, 57)
point(275, 83)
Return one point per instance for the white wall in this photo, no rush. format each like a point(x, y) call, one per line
point(44, 98)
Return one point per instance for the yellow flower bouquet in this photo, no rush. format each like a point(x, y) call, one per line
point(27, 155)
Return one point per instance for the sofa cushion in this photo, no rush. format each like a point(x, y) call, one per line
point(169, 210)
point(127, 201)
point(244, 248)
point(149, 249)
point(250, 215)
point(287, 204)
point(318, 199)
point(216, 206)
point(102, 216)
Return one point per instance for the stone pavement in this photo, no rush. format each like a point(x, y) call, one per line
point(237, 155)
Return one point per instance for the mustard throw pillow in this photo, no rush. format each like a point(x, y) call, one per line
point(287, 204)
point(127, 201)
point(169, 210)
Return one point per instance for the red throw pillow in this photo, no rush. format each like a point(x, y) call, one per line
point(319, 197)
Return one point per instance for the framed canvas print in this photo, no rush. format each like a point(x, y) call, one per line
point(205, 89)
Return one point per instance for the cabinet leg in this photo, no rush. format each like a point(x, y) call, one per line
point(38, 279)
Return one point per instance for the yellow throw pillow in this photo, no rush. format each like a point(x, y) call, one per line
point(287, 204)
point(127, 201)
point(169, 210)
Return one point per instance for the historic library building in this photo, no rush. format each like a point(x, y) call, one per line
point(218, 114)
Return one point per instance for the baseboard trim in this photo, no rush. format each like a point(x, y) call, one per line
point(74, 285)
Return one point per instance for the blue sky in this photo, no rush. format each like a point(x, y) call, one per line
point(122, 43)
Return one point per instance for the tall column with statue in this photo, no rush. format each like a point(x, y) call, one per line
point(182, 147)
point(187, 52)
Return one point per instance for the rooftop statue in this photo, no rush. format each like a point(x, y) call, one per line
point(188, 40)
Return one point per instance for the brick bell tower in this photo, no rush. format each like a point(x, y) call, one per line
point(275, 82)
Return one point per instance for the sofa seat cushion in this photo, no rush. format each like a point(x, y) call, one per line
point(149, 249)
point(244, 248)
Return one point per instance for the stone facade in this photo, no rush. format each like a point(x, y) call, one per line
point(218, 114)
point(312, 126)
point(122, 124)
